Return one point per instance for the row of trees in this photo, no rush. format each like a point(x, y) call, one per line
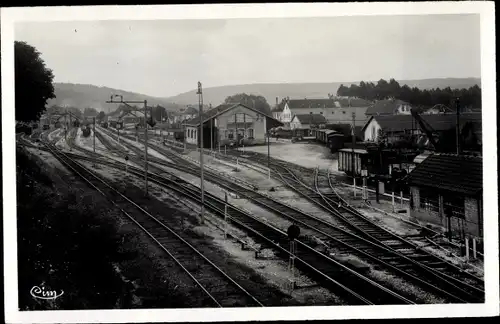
point(383, 90)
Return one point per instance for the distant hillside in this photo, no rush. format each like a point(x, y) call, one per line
point(270, 91)
point(85, 95)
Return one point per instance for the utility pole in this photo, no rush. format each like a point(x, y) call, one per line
point(146, 144)
point(352, 152)
point(200, 102)
point(457, 104)
point(211, 135)
point(127, 103)
point(93, 132)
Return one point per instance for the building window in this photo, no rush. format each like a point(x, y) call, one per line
point(374, 134)
point(343, 112)
point(429, 201)
point(333, 112)
point(250, 132)
point(230, 134)
point(455, 204)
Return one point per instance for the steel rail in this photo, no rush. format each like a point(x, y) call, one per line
point(63, 159)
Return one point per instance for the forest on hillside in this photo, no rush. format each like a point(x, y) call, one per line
point(470, 98)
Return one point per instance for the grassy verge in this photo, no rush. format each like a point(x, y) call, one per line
point(69, 239)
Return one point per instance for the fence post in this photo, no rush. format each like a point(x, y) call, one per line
point(474, 248)
point(393, 202)
point(401, 196)
point(467, 248)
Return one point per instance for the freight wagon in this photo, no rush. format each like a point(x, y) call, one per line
point(360, 161)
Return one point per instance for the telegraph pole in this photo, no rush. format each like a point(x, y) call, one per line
point(457, 104)
point(200, 102)
point(127, 102)
point(93, 131)
point(211, 135)
point(352, 152)
point(146, 144)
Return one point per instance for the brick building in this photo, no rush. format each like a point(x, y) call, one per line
point(447, 191)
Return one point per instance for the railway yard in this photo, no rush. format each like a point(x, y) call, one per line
point(238, 254)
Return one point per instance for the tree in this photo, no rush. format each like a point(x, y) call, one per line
point(253, 101)
point(33, 82)
point(90, 111)
point(159, 112)
point(101, 116)
point(342, 91)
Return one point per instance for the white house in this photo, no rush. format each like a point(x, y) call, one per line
point(335, 110)
point(305, 121)
point(230, 122)
point(389, 107)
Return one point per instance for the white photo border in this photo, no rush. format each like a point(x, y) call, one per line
point(486, 10)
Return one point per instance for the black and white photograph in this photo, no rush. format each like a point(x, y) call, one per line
point(249, 162)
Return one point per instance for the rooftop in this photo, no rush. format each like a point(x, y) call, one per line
point(439, 122)
point(209, 114)
point(455, 173)
point(314, 119)
point(387, 106)
point(327, 103)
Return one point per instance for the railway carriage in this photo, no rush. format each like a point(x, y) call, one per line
point(335, 141)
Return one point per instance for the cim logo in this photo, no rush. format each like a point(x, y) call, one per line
point(42, 293)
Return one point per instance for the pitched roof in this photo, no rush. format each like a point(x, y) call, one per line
point(327, 103)
point(279, 107)
point(451, 172)
point(385, 106)
point(209, 114)
point(307, 119)
point(439, 122)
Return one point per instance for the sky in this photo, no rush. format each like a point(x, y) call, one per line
point(166, 57)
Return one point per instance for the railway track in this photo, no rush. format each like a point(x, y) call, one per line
point(344, 241)
point(339, 238)
point(216, 288)
point(451, 278)
point(330, 272)
point(440, 276)
point(445, 273)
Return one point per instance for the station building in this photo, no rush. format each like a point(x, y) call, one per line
point(230, 123)
point(447, 191)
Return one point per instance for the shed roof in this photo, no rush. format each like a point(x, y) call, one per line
point(314, 119)
point(455, 173)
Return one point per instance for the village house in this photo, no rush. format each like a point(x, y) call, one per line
point(446, 190)
point(398, 127)
point(184, 114)
point(389, 107)
point(308, 121)
point(436, 109)
point(230, 123)
point(277, 111)
point(335, 110)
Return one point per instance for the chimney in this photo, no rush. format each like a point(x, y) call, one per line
point(276, 101)
point(210, 106)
